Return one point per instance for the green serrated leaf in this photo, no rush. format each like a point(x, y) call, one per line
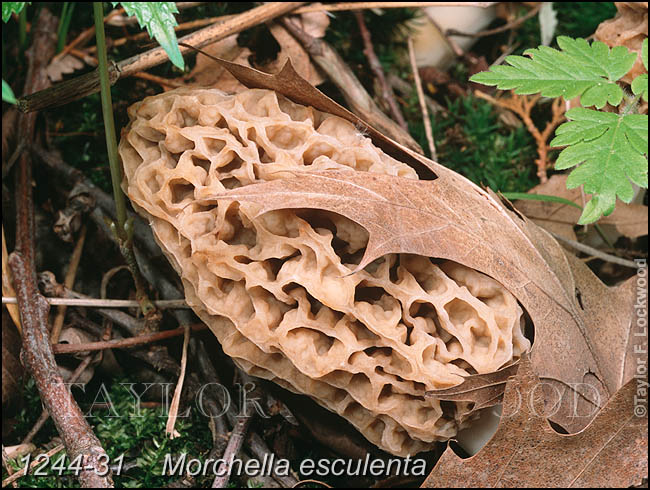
point(9, 8)
point(640, 83)
point(595, 208)
point(640, 86)
point(609, 150)
point(7, 93)
point(579, 69)
point(158, 18)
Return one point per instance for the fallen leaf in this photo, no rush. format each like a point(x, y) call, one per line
point(208, 74)
point(581, 326)
point(484, 390)
point(630, 220)
point(527, 452)
point(293, 50)
point(63, 66)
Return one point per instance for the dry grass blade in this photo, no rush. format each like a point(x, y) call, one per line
point(69, 283)
point(176, 400)
point(423, 106)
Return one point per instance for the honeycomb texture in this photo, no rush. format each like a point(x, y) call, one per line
point(276, 289)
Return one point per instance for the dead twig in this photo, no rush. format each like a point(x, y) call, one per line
point(386, 90)
point(510, 25)
point(124, 342)
point(522, 105)
point(69, 283)
point(20, 473)
point(45, 415)
point(7, 466)
point(453, 45)
point(76, 88)
point(595, 252)
point(142, 231)
point(101, 303)
point(237, 437)
point(165, 83)
point(333, 7)
point(407, 89)
point(423, 106)
point(353, 91)
point(70, 422)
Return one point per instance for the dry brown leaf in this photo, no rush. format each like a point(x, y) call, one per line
point(484, 390)
point(581, 326)
point(63, 66)
point(629, 28)
point(630, 220)
point(527, 452)
point(206, 73)
point(293, 50)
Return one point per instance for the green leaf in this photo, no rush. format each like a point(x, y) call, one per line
point(9, 8)
point(579, 69)
point(7, 93)
point(640, 86)
point(640, 83)
point(609, 149)
point(514, 196)
point(158, 18)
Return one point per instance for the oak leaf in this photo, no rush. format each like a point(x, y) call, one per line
point(527, 452)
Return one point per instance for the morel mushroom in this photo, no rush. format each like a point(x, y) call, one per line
point(276, 289)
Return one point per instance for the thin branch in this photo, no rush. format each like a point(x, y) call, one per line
point(510, 25)
point(79, 87)
point(386, 90)
point(21, 472)
point(102, 303)
point(406, 88)
point(45, 415)
point(68, 418)
point(453, 45)
point(237, 437)
point(69, 283)
point(353, 91)
point(125, 342)
point(423, 106)
point(595, 252)
point(164, 82)
point(333, 7)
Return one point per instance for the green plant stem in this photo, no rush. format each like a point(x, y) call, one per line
point(64, 25)
point(109, 124)
point(123, 229)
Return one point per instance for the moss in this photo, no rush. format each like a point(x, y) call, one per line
point(471, 140)
point(140, 438)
